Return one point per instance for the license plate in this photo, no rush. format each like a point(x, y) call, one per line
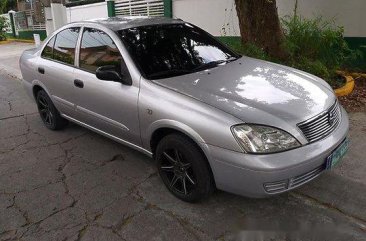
point(337, 154)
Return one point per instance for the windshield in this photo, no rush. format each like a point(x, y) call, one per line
point(162, 51)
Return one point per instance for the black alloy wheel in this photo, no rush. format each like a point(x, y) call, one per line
point(48, 112)
point(183, 168)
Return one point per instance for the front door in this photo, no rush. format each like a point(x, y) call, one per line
point(109, 106)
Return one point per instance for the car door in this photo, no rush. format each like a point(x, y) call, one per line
point(56, 69)
point(108, 106)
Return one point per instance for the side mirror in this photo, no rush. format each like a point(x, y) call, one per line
point(109, 73)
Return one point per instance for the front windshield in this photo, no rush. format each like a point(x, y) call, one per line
point(162, 51)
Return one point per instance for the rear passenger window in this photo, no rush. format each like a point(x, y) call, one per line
point(65, 45)
point(98, 49)
point(48, 50)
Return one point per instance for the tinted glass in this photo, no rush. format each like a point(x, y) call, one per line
point(48, 50)
point(98, 49)
point(65, 45)
point(169, 50)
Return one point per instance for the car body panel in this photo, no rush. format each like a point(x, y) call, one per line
point(257, 92)
point(203, 106)
point(245, 174)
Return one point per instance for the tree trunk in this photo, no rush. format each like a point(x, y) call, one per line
point(259, 24)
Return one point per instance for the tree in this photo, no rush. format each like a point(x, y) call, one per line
point(260, 25)
point(7, 5)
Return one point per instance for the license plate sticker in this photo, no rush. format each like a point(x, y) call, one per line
point(337, 154)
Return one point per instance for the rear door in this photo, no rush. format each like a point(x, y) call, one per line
point(56, 69)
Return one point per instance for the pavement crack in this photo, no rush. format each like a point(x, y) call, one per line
point(359, 221)
point(118, 157)
point(82, 232)
point(185, 224)
point(17, 116)
point(10, 106)
point(23, 213)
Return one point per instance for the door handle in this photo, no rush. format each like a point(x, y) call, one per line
point(41, 70)
point(78, 83)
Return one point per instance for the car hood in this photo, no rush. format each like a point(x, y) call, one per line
point(254, 90)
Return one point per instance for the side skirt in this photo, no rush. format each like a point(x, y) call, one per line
point(119, 140)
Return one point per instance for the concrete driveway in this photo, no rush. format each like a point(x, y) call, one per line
point(77, 185)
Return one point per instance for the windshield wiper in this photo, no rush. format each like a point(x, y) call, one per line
point(213, 64)
point(169, 73)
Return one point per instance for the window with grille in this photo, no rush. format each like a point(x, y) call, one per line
point(139, 7)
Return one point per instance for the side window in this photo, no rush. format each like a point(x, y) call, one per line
point(48, 49)
point(65, 45)
point(98, 49)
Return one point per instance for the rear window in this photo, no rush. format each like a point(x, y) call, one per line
point(62, 46)
point(48, 50)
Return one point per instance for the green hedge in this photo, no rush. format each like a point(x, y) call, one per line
point(355, 43)
point(28, 34)
point(358, 43)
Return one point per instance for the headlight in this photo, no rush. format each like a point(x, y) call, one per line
point(263, 139)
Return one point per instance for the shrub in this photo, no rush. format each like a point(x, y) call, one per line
point(3, 26)
point(316, 46)
point(252, 50)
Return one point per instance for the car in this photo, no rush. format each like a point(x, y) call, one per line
point(209, 117)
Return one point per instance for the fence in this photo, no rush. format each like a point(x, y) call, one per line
point(29, 22)
point(139, 7)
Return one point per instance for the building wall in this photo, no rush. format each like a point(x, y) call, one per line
point(349, 14)
point(220, 19)
point(86, 12)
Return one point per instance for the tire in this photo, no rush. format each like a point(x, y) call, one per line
point(48, 112)
point(183, 168)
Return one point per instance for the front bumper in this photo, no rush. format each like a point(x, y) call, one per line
point(264, 175)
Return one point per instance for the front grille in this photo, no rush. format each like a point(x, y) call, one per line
point(321, 125)
point(284, 185)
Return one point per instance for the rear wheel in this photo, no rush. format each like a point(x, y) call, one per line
point(48, 112)
point(183, 168)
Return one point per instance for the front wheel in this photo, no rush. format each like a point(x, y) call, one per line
point(48, 112)
point(183, 168)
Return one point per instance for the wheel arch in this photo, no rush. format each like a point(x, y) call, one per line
point(37, 86)
point(173, 127)
point(161, 128)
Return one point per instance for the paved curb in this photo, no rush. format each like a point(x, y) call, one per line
point(17, 40)
point(5, 42)
point(347, 88)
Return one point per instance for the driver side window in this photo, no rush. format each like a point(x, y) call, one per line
point(98, 49)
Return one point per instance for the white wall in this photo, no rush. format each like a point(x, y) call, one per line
point(49, 20)
point(214, 15)
point(347, 13)
point(218, 17)
point(86, 12)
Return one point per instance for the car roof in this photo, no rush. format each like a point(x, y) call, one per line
point(120, 23)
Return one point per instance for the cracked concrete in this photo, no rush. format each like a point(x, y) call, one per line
point(77, 185)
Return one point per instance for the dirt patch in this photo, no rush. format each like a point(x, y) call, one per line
point(356, 101)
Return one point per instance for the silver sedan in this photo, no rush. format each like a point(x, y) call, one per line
point(209, 117)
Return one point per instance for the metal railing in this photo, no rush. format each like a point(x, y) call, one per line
point(139, 7)
point(27, 20)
